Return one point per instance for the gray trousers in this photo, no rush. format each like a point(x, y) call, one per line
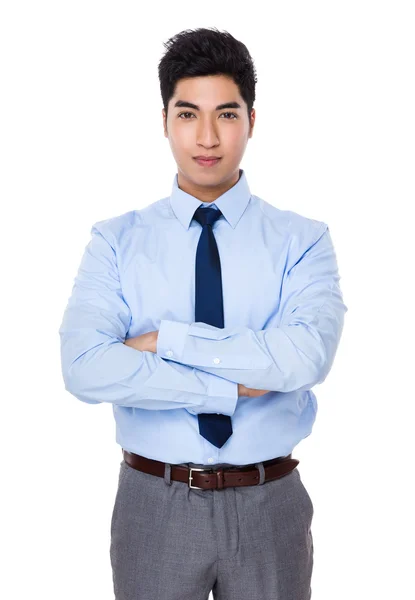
point(171, 542)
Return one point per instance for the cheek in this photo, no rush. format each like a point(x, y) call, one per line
point(181, 141)
point(235, 138)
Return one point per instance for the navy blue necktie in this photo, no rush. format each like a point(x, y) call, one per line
point(214, 427)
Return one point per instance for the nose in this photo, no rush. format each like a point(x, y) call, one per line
point(207, 135)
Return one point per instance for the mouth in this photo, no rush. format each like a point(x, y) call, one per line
point(207, 162)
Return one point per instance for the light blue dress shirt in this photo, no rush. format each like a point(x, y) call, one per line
point(284, 316)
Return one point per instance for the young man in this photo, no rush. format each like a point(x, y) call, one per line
point(205, 319)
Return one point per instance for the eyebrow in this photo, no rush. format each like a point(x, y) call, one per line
point(184, 103)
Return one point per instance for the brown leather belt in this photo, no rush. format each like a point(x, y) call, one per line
point(214, 478)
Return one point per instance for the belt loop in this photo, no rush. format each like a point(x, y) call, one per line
point(261, 470)
point(167, 473)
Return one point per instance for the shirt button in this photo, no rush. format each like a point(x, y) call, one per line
point(210, 460)
point(169, 353)
point(216, 361)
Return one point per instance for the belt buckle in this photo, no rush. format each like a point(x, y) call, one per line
point(190, 477)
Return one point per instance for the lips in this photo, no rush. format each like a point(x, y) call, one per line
point(207, 162)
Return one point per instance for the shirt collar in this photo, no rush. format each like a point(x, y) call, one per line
point(232, 203)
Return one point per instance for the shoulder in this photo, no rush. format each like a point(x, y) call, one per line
point(291, 223)
point(120, 227)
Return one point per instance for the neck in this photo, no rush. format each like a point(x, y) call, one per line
point(206, 193)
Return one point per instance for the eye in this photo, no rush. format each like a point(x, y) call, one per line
point(184, 113)
point(230, 113)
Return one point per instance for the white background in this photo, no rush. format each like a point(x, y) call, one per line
point(82, 140)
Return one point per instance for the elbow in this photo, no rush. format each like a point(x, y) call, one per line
point(317, 376)
point(307, 371)
point(309, 353)
point(78, 385)
point(318, 367)
point(323, 364)
point(304, 378)
point(319, 351)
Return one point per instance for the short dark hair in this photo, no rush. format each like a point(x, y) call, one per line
point(206, 51)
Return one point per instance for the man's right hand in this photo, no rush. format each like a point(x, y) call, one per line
point(251, 392)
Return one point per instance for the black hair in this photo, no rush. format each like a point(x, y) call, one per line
point(199, 52)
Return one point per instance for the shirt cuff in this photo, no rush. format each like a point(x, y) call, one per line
point(171, 339)
point(222, 395)
point(226, 393)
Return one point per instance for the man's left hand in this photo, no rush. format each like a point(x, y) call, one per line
point(145, 342)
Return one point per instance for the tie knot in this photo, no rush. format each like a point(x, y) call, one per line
point(206, 216)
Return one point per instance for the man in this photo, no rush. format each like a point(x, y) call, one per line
point(205, 319)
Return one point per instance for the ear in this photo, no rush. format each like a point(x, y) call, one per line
point(163, 113)
point(252, 123)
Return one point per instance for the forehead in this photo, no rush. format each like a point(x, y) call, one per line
point(207, 90)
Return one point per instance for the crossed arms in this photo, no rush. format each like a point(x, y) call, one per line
point(100, 365)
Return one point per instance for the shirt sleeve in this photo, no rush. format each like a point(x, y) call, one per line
point(98, 367)
point(295, 354)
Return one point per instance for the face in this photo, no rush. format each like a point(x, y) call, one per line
point(207, 131)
